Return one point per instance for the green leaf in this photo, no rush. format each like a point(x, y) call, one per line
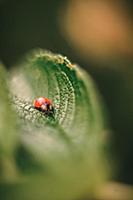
point(65, 151)
point(8, 129)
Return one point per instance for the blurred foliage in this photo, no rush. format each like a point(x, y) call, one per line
point(56, 156)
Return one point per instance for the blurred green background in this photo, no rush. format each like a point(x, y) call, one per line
point(95, 34)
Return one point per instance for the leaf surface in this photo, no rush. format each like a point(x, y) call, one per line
point(67, 145)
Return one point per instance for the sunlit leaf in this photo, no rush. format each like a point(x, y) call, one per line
point(65, 151)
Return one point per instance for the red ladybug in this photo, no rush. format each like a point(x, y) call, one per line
point(43, 104)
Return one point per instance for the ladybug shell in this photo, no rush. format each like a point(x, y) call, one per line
point(43, 103)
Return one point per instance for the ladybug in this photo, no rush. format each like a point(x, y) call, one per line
point(44, 104)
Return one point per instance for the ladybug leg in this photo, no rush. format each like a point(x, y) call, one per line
point(39, 109)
